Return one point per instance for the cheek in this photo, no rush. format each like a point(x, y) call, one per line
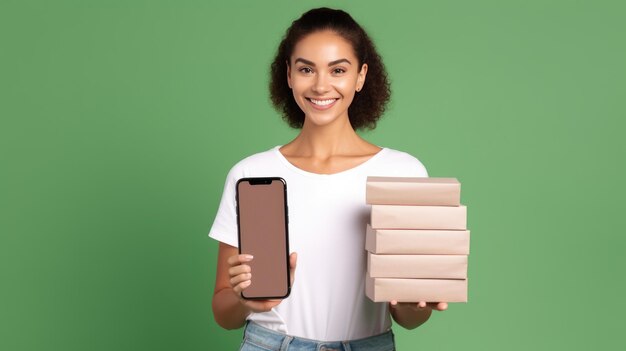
point(298, 86)
point(346, 88)
point(346, 84)
point(298, 89)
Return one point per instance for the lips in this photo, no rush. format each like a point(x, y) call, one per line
point(322, 104)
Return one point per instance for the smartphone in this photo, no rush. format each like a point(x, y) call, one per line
point(263, 232)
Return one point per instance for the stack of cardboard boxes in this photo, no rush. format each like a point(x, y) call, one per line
point(417, 240)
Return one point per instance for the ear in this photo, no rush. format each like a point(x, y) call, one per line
point(360, 80)
point(288, 74)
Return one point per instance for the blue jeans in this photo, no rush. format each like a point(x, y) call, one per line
point(258, 338)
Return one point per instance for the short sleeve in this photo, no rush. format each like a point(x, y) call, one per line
point(402, 164)
point(421, 170)
point(417, 168)
point(224, 227)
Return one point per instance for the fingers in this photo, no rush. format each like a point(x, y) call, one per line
point(240, 278)
point(240, 269)
point(239, 259)
point(438, 306)
point(240, 273)
point(241, 286)
point(394, 304)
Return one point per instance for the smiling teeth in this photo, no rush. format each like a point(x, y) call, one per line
point(323, 102)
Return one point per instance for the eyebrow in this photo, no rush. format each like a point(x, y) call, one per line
point(331, 63)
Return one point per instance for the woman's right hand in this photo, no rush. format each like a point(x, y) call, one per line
point(240, 279)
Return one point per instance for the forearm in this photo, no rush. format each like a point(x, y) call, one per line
point(228, 311)
point(410, 318)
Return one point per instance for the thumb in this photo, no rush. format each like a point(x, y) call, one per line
point(293, 259)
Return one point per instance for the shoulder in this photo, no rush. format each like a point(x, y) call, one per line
point(253, 163)
point(402, 163)
point(256, 159)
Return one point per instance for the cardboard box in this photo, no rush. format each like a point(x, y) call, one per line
point(413, 191)
point(417, 266)
point(418, 217)
point(416, 290)
point(416, 241)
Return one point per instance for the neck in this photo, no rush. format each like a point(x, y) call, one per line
point(337, 138)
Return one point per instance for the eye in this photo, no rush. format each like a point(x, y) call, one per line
point(306, 70)
point(338, 70)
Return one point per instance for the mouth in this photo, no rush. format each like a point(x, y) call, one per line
point(322, 104)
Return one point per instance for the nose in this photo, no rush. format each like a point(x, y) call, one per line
point(321, 84)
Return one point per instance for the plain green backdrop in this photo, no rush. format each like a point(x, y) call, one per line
point(120, 120)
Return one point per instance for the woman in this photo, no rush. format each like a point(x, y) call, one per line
point(328, 80)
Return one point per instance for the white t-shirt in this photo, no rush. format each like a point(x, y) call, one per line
point(327, 221)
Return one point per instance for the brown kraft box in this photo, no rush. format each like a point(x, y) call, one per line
point(417, 266)
point(418, 217)
point(417, 241)
point(416, 290)
point(413, 191)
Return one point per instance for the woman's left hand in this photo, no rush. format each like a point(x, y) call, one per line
point(419, 306)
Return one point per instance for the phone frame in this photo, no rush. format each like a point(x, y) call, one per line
point(266, 180)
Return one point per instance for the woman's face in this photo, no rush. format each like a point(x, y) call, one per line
point(324, 75)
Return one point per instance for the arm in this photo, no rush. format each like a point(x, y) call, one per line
point(228, 311)
point(412, 315)
point(233, 275)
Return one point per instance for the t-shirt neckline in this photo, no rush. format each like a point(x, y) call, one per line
point(291, 166)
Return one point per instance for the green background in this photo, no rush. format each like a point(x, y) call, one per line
point(120, 120)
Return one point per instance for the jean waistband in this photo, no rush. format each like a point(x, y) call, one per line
point(273, 340)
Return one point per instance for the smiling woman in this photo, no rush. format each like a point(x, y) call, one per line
point(327, 80)
point(325, 77)
point(371, 99)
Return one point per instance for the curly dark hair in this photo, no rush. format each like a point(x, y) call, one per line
point(368, 104)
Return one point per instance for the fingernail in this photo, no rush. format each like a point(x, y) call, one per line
point(248, 257)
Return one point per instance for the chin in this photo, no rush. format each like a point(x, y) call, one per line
point(321, 121)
